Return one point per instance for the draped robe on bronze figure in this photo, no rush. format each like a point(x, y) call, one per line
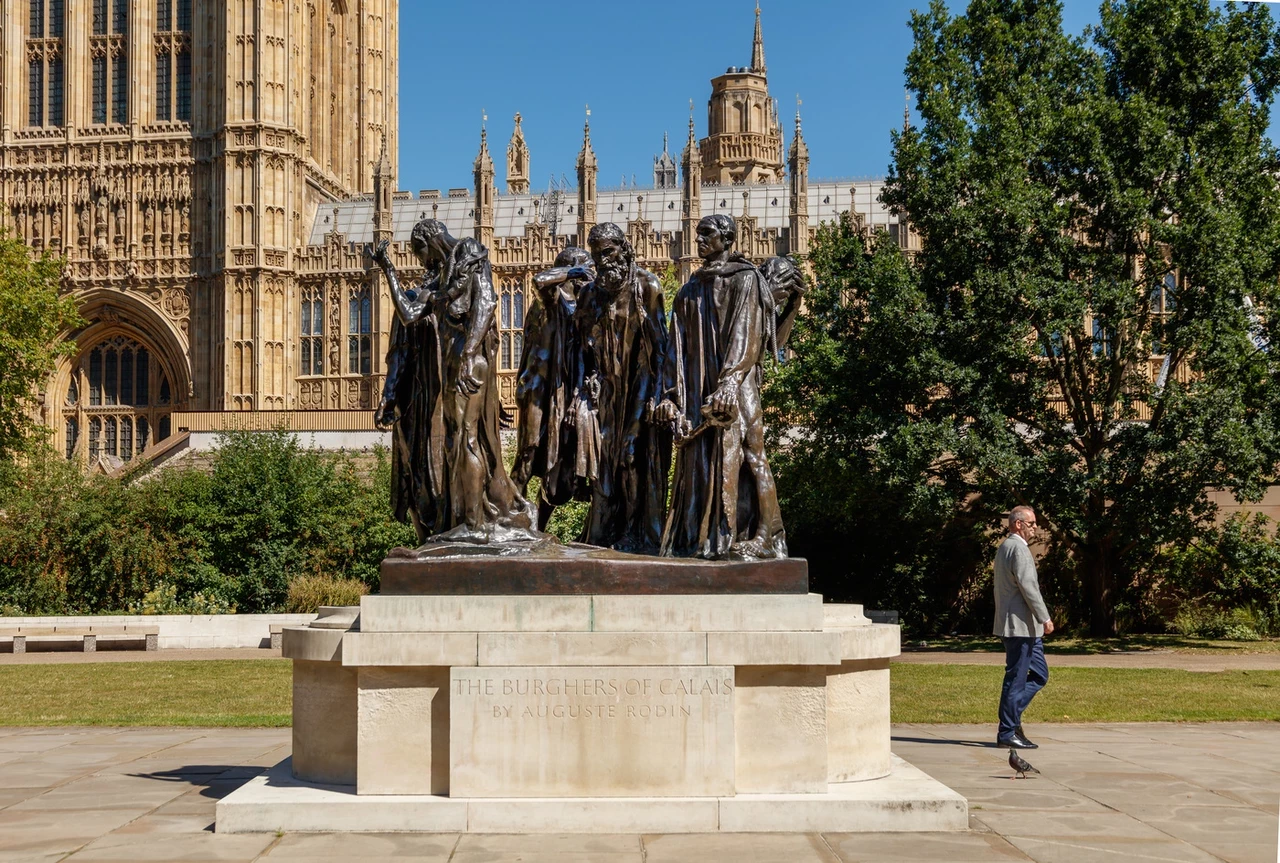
point(718, 335)
point(546, 444)
point(447, 462)
point(623, 343)
point(413, 385)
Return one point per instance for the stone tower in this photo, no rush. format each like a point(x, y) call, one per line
point(744, 137)
point(587, 170)
point(664, 168)
point(517, 162)
point(798, 211)
point(383, 186)
point(690, 203)
point(485, 191)
point(176, 153)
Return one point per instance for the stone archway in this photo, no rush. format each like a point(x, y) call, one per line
point(116, 397)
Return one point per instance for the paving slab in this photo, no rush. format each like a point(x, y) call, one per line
point(740, 847)
point(1108, 792)
point(363, 846)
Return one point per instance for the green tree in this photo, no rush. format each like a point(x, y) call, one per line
point(1089, 206)
point(869, 492)
point(32, 316)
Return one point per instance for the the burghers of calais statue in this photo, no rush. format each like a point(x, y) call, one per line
point(547, 441)
point(441, 395)
point(724, 502)
point(622, 451)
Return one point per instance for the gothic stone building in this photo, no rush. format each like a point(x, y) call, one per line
point(212, 171)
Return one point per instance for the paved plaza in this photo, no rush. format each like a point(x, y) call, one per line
point(1139, 792)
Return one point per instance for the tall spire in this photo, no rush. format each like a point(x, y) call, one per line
point(517, 162)
point(757, 46)
point(587, 170)
point(906, 110)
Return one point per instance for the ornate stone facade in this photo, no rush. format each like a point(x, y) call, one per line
point(212, 170)
point(176, 153)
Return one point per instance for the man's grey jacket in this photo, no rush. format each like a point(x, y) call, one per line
point(1020, 610)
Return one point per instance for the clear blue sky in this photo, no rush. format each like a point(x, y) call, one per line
point(637, 65)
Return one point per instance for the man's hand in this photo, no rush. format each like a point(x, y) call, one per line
point(1048, 627)
point(665, 412)
point(379, 254)
point(468, 383)
point(580, 273)
point(385, 417)
point(722, 407)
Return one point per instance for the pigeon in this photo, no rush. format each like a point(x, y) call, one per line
point(1020, 765)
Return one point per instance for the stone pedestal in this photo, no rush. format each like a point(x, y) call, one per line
point(594, 712)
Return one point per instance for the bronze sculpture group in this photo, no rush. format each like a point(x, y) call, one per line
point(607, 391)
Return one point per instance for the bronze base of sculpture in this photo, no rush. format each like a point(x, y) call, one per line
point(547, 568)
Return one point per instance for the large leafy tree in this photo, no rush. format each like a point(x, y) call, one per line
point(32, 316)
point(1098, 216)
point(870, 496)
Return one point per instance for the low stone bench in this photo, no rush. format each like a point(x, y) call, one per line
point(88, 635)
point(276, 636)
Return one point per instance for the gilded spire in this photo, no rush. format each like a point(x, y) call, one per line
point(757, 46)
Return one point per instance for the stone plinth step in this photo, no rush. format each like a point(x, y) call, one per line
point(907, 800)
point(552, 569)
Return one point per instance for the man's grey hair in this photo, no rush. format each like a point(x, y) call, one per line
point(1020, 513)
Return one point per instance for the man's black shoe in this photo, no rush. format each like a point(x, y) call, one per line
point(1018, 731)
point(1015, 741)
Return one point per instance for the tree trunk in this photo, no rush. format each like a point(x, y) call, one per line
point(1099, 583)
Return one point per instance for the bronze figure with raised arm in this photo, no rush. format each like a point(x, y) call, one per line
point(444, 397)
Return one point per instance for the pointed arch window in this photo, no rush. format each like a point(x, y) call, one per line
point(360, 332)
point(109, 50)
point(311, 347)
point(173, 61)
point(45, 27)
point(129, 397)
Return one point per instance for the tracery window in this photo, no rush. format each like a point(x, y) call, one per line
point(1164, 302)
point(45, 73)
point(312, 332)
point(109, 49)
point(360, 333)
point(128, 396)
point(511, 325)
point(173, 61)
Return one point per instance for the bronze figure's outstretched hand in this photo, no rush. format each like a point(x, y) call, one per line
point(379, 254)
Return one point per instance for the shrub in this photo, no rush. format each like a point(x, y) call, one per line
point(164, 600)
point(308, 592)
point(265, 513)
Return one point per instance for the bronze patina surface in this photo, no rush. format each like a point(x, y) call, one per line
point(550, 568)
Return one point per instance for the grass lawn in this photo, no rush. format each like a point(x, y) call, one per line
point(257, 692)
point(222, 692)
point(970, 693)
point(1082, 645)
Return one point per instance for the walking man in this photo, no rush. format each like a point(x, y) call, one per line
point(1021, 620)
